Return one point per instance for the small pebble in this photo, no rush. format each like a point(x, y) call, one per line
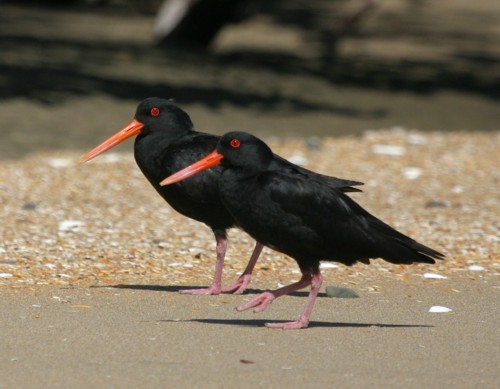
point(458, 189)
point(110, 158)
point(341, 292)
point(435, 204)
point(298, 159)
point(70, 226)
point(60, 162)
point(412, 173)
point(395, 151)
point(434, 276)
point(29, 206)
point(328, 265)
point(416, 139)
point(313, 143)
point(475, 268)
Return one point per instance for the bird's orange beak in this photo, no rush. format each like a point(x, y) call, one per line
point(212, 159)
point(131, 129)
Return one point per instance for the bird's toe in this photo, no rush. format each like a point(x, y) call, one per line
point(239, 286)
point(259, 303)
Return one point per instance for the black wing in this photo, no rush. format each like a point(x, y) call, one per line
point(282, 164)
point(347, 231)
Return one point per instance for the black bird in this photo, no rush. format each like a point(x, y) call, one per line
point(165, 143)
point(300, 214)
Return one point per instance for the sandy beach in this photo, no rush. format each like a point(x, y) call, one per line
point(92, 259)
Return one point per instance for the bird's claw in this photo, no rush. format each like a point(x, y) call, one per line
point(239, 286)
point(259, 303)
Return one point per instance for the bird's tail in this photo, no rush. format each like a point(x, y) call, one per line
point(398, 248)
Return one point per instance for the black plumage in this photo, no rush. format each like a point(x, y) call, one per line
point(301, 214)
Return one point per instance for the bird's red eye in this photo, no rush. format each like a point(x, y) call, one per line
point(235, 143)
point(155, 111)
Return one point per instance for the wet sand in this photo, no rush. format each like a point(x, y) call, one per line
point(154, 337)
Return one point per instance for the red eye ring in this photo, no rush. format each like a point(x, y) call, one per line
point(155, 111)
point(235, 143)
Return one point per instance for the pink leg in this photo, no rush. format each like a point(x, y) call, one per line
point(262, 301)
point(220, 249)
point(303, 321)
point(242, 282)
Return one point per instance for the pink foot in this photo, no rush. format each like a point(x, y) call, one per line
point(239, 286)
point(260, 303)
point(211, 290)
point(289, 325)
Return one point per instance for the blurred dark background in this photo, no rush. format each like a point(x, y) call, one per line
point(72, 72)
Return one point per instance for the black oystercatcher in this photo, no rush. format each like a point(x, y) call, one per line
point(166, 142)
point(300, 214)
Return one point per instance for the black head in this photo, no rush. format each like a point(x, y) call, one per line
point(153, 115)
point(244, 150)
point(162, 115)
point(235, 150)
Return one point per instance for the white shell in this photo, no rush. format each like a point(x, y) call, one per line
point(439, 309)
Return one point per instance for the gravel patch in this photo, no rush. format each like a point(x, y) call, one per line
point(103, 224)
